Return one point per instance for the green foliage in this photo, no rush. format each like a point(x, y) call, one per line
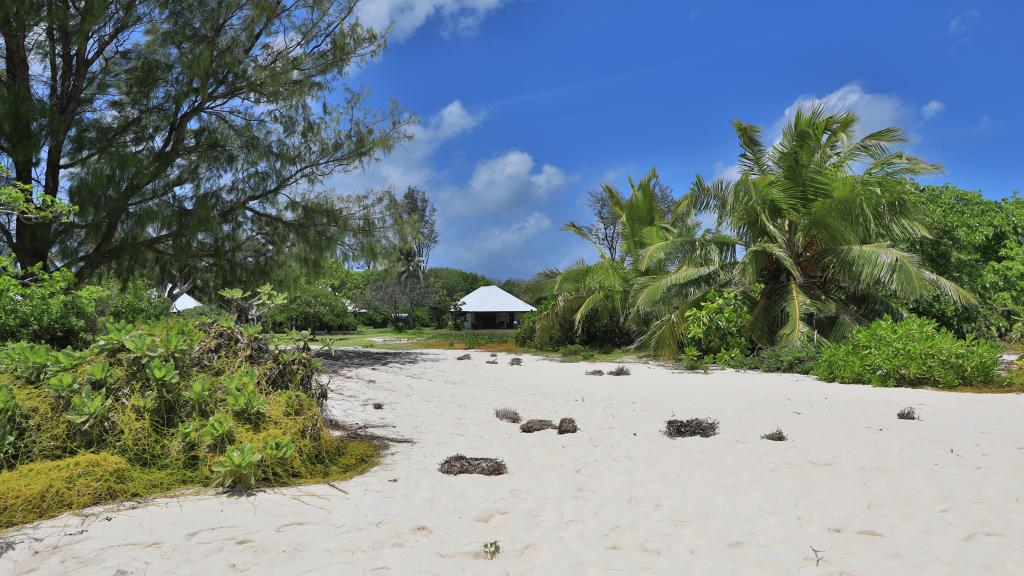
point(914, 352)
point(170, 419)
point(41, 307)
point(314, 308)
point(979, 244)
point(492, 549)
point(718, 324)
point(792, 359)
point(89, 408)
point(237, 469)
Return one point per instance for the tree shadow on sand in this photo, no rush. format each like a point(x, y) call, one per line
point(353, 358)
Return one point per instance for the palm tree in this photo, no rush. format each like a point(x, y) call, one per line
point(817, 216)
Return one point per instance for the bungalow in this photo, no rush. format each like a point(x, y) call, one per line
point(490, 307)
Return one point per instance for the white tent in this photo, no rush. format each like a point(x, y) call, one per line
point(492, 307)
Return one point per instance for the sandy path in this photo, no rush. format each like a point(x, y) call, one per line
point(944, 495)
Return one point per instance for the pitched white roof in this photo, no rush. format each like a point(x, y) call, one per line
point(493, 299)
point(183, 302)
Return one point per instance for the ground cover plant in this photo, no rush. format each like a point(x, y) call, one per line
point(156, 407)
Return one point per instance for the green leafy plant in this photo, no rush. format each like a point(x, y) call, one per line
point(146, 403)
point(237, 468)
point(98, 372)
point(141, 346)
point(246, 400)
point(198, 393)
point(279, 450)
point(113, 338)
point(161, 373)
point(218, 430)
point(89, 408)
point(27, 360)
point(63, 385)
point(914, 352)
point(190, 431)
point(175, 345)
point(492, 549)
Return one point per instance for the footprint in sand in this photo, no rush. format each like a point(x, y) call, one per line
point(487, 515)
point(975, 535)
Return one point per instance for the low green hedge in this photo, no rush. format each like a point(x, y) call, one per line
point(914, 352)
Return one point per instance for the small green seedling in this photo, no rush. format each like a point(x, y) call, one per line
point(492, 549)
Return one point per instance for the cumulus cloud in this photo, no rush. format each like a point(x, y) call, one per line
point(411, 163)
point(876, 111)
point(503, 182)
point(502, 241)
point(932, 108)
point(462, 16)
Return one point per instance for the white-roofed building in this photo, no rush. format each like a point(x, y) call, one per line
point(490, 307)
point(182, 302)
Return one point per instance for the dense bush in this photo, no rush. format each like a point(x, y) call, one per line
point(48, 308)
point(170, 404)
point(914, 352)
point(313, 308)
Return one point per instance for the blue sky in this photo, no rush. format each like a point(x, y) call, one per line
point(524, 105)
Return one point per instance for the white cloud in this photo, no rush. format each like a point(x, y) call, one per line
point(410, 163)
point(726, 171)
point(932, 108)
point(462, 16)
point(960, 25)
point(503, 182)
point(502, 241)
point(876, 111)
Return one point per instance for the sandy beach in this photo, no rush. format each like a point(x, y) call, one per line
point(872, 494)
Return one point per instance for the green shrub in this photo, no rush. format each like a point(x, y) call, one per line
point(914, 352)
point(137, 397)
point(313, 308)
point(718, 324)
point(792, 359)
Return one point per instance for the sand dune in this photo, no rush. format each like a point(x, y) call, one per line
point(875, 495)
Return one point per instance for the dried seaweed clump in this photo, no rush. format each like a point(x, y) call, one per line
point(459, 464)
point(507, 415)
point(515, 362)
point(491, 362)
point(494, 354)
point(378, 406)
point(620, 371)
point(703, 427)
point(907, 413)
point(464, 357)
point(594, 372)
point(531, 426)
point(567, 426)
point(777, 436)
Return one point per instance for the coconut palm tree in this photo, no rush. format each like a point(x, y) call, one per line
point(817, 216)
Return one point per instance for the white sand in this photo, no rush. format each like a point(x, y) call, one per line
point(943, 495)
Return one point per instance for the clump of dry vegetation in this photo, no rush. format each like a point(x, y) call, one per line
point(507, 415)
point(531, 426)
point(459, 464)
point(567, 426)
point(463, 357)
point(515, 362)
point(378, 406)
point(494, 354)
point(619, 371)
point(776, 436)
point(491, 362)
point(594, 372)
point(703, 427)
point(907, 413)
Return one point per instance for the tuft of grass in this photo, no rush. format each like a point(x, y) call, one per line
point(907, 413)
point(619, 371)
point(507, 415)
point(702, 427)
point(515, 362)
point(776, 436)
